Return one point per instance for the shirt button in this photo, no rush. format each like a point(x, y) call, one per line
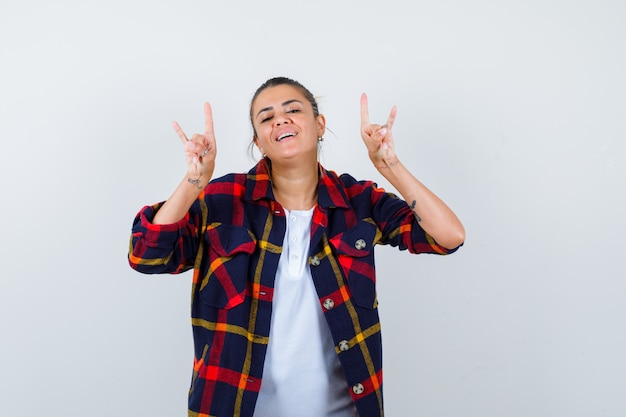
point(328, 304)
point(358, 388)
point(293, 238)
point(344, 345)
point(294, 218)
point(360, 244)
point(315, 261)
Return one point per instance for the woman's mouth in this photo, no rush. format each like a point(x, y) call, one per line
point(285, 135)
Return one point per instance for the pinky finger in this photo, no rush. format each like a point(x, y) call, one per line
point(392, 116)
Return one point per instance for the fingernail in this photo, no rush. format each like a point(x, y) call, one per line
point(383, 131)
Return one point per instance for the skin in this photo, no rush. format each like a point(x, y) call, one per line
point(284, 109)
point(434, 215)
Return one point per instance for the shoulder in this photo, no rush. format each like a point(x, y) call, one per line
point(229, 178)
point(350, 184)
point(231, 184)
point(344, 190)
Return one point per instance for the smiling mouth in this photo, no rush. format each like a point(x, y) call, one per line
point(284, 136)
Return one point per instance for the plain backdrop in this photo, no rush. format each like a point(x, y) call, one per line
point(513, 112)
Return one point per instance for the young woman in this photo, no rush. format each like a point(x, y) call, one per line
point(284, 308)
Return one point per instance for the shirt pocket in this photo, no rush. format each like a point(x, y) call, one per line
point(354, 249)
point(224, 284)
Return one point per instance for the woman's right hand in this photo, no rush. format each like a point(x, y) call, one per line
point(200, 150)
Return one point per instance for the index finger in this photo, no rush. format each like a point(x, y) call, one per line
point(180, 132)
point(365, 116)
point(208, 121)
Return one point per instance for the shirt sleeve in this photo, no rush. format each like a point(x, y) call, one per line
point(399, 225)
point(161, 248)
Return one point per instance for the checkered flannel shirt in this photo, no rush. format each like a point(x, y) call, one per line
point(232, 239)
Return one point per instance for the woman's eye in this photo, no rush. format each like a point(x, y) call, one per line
point(265, 119)
point(293, 111)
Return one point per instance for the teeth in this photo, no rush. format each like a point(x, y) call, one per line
point(285, 135)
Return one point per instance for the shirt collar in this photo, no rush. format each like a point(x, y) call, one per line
point(330, 190)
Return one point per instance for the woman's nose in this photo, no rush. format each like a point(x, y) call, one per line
point(281, 119)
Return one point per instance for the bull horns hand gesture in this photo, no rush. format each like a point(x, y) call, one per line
point(378, 138)
point(200, 150)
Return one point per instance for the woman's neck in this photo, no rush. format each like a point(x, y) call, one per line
point(295, 188)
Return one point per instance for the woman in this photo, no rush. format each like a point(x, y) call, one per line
point(284, 308)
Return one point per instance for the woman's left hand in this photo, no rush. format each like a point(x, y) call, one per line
point(378, 138)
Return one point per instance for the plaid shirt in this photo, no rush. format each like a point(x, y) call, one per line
point(232, 238)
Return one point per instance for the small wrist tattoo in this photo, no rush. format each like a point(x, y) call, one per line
point(195, 182)
point(417, 217)
point(389, 164)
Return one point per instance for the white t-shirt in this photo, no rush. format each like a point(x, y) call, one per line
point(302, 376)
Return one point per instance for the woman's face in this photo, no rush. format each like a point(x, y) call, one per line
point(286, 127)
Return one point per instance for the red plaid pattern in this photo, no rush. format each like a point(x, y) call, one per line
point(232, 239)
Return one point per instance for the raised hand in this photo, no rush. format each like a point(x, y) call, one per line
point(200, 150)
point(378, 138)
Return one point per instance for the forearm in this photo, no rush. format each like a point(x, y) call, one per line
point(179, 203)
point(434, 216)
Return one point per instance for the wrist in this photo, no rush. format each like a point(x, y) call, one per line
point(198, 181)
point(195, 182)
point(387, 163)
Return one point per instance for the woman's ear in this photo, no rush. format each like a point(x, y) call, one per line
point(321, 125)
point(256, 143)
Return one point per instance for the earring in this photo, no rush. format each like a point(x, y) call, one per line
point(320, 139)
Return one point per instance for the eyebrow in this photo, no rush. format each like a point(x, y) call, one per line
point(286, 103)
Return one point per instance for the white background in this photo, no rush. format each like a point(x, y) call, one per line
point(514, 112)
